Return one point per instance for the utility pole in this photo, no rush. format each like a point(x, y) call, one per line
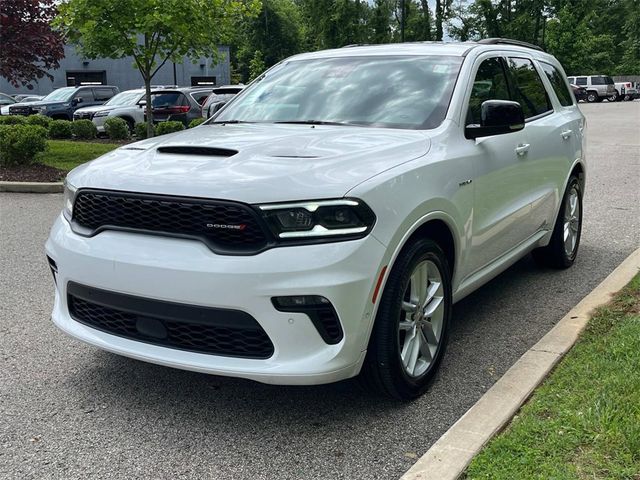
point(403, 14)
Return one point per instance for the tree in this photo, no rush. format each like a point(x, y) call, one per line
point(256, 65)
point(153, 32)
point(29, 47)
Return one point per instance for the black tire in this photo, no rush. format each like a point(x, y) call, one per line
point(615, 97)
point(383, 371)
point(130, 124)
point(555, 254)
point(592, 96)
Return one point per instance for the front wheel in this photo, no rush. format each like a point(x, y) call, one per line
point(592, 97)
point(565, 240)
point(411, 328)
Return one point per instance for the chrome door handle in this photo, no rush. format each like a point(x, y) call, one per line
point(566, 134)
point(522, 148)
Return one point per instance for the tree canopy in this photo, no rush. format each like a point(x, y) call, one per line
point(29, 47)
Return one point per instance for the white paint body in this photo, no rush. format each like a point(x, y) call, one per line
point(407, 177)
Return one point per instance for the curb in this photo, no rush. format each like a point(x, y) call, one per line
point(448, 458)
point(32, 187)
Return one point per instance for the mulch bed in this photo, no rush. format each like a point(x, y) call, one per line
point(31, 173)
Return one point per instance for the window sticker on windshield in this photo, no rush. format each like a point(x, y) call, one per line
point(440, 68)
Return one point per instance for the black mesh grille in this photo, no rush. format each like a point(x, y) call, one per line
point(225, 227)
point(213, 332)
point(331, 324)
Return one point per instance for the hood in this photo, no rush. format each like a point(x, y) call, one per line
point(95, 108)
point(254, 163)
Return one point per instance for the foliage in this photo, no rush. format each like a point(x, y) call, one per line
point(29, 46)
point(196, 121)
point(169, 127)
point(67, 154)
point(13, 120)
point(583, 422)
point(60, 129)
point(41, 120)
point(256, 65)
point(84, 129)
point(19, 144)
point(116, 128)
point(140, 130)
point(153, 32)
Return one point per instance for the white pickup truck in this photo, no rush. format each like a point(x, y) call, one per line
point(625, 91)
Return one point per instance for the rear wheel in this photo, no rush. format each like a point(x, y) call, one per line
point(615, 97)
point(410, 332)
point(565, 240)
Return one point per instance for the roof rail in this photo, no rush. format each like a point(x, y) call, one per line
point(508, 41)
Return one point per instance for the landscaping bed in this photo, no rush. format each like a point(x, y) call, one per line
point(584, 421)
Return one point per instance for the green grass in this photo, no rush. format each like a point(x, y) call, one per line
point(584, 421)
point(67, 154)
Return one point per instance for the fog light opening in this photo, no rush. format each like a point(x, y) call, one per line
point(319, 310)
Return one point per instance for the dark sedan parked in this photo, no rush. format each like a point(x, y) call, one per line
point(579, 92)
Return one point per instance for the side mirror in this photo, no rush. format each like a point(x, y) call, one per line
point(142, 103)
point(497, 117)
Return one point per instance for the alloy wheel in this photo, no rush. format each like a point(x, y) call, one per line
point(571, 221)
point(422, 319)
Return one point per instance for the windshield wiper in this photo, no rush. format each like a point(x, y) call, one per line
point(315, 122)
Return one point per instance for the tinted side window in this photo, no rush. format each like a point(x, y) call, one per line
point(581, 81)
point(558, 84)
point(103, 94)
point(597, 81)
point(490, 84)
point(529, 89)
point(85, 94)
point(200, 97)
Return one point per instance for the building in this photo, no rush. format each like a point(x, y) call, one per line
point(76, 70)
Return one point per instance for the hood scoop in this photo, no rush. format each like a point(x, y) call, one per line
point(204, 151)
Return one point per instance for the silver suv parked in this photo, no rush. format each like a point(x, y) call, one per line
point(598, 87)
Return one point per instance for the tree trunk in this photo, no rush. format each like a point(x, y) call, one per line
point(147, 96)
point(439, 14)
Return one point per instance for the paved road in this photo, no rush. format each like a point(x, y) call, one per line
point(70, 411)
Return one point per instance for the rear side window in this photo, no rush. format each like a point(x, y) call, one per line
point(200, 97)
point(168, 99)
point(598, 81)
point(558, 84)
point(490, 84)
point(529, 90)
point(103, 94)
point(581, 80)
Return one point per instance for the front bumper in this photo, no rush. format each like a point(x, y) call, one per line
point(187, 272)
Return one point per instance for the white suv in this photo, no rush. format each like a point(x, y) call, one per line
point(322, 224)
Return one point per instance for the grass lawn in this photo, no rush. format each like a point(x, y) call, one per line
point(584, 421)
point(67, 154)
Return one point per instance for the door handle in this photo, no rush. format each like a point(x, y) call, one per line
point(566, 134)
point(522, 148)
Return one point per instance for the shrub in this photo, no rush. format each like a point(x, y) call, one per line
point(41, 120)
point(196, 121)
point(13, 120)
point(169, 127)
point(116, 128)
point(60, 129)
point(141, 130)
point(84, 129)
point(19, 144)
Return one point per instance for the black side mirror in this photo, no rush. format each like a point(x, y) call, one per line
point(497, 117)
point(142, 103)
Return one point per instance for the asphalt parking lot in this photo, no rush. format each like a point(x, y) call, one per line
point(71, 411)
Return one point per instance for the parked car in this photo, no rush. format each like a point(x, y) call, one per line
point(624, 91)
point(125, 105)
point(5, 102)
point(323, 224)
point(219, 98)
point(27, 97)
point(182, 104)
point(598, 87)
point(579, 92)
point(61, 103)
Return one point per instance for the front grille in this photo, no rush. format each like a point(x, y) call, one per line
point(83, 115)
point(184, 327)
point(20, 110)
point(225, 227)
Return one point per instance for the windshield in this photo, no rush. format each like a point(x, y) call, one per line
point(61, 94)
point(395, 92)
point(125, 98)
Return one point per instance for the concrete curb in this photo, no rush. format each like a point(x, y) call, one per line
point(448, 458)
point(32, 187)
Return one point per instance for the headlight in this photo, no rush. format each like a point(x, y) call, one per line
point(69, 197)
point(330, 219)
point(101, 114)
